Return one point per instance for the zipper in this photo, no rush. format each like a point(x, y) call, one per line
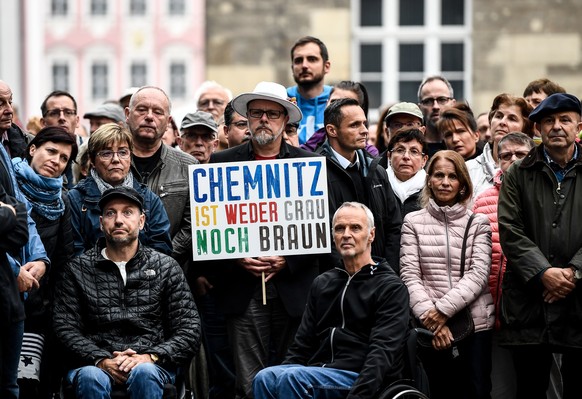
point(449, 271)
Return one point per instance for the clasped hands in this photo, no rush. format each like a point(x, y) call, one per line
point(270, 265)
point(30, 274)
point(122, 363)
point(435, 321)
point(558, 283)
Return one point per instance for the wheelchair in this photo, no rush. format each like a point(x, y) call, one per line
point(415, 382)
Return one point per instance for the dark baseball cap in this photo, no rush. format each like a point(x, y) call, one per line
point(558, 102)
point(121, 192)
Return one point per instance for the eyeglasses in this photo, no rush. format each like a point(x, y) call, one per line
point(414, 153)
point(506, 156)
point(400, 125)
point(430, 101)
point(107, 155)
point(55, 113)
point(196, 136)
point(271, 113)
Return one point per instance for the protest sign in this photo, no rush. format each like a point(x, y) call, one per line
point(259, 208)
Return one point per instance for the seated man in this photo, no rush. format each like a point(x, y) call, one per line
point(124, 311)
point(351, 340)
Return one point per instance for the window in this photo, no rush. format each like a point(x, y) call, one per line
point(59, 7)
point(99, 73)
point(138, 74)
point(60, 72)
point(137, 7)
point(176, 7)
point(98, 7)
point(396, 43)
point(177, 80)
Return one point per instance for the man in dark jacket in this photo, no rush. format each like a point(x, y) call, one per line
point(354, 175)
point(255, 329)
point(123, 311)
point(351, 339)
point(539, 226)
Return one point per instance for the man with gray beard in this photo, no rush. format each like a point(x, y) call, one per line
point(255, 330)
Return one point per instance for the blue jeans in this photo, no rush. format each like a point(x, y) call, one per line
point(145, 381)
point(10, 344)
point(295, 381)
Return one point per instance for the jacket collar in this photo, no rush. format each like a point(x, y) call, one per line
point(456, 211)
point(246, 151)
point(365, 161)
point(538, 156)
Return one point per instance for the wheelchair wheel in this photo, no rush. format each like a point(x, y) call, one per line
point(401, 391)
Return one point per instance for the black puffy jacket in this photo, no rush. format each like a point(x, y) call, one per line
point(95, 314)
point(357, 323)
point(379, 198)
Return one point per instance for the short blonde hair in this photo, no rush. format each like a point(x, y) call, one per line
point(106, 135)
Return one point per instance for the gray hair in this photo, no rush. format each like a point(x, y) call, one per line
point(516, 138)
point(210, 84)
point(356, 205)
point(429, 79)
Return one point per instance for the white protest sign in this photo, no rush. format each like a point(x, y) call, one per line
point(259, 208)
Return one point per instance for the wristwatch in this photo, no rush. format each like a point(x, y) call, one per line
point(577, 273)
point(154, 357)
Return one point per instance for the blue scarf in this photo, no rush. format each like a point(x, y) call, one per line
point(43, 193)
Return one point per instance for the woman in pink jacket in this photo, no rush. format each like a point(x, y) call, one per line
point(510, 148)
point(432, 239)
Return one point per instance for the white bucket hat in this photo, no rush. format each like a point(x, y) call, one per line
point(271, 92)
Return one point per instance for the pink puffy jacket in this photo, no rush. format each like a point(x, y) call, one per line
point(430, 261)
point(486, 203)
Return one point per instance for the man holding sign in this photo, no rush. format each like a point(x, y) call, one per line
point(255, 328)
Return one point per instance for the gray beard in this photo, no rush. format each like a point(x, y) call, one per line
point(264, 138)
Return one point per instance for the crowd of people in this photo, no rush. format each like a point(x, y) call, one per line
point(462, 225)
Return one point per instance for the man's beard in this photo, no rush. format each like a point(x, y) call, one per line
point(308, 84)
point(121, 242)
point(264, 138)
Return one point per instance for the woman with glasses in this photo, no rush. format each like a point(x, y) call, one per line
point(109, 149)
point(443, 281)
point(508, 114)
point(510, 148)
point(404, 162)
point(39, 177)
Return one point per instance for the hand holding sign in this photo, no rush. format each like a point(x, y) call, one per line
point(277, 264)
point(255, 266)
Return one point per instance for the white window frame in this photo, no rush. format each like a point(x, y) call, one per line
point(95, 80)
point(58, 64)
point(431, 35)
point(184, 93)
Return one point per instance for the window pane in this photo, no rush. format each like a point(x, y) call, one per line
point(137, 7)
point(176, 7)
point(59, 7)
point(411, 12)
point(452, 12)
point(458, 89)
point(371, 58)
point(408, 91)
point(60, 77)
point(452, 56)
point(411, 57)
point(138, 74)
point(98, 7)
point(100, 80)
point(178, 80)
point(371, 12)
point(374, 89)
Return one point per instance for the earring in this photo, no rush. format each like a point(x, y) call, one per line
point(462, 192)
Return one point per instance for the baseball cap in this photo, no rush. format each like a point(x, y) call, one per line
point(107, 110)
point(404, 108)
point(120, 192)
point(199, 118)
